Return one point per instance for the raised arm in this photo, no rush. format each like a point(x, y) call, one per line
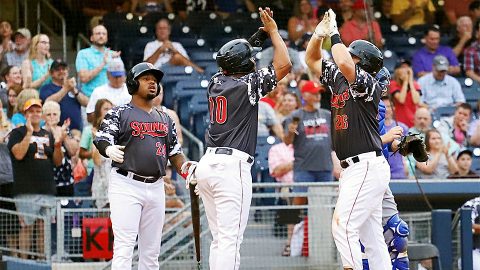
point(281, 60)
point(340, 53)
point(313, 55)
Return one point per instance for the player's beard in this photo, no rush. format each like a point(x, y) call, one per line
point(150, 96)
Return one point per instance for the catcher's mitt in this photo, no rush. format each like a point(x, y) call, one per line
point(412, 144)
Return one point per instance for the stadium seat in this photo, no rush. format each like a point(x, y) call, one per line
point(202, 19)
point(169, 83)
point(475, 164)
point(183, 92)
point(390, 60)
point(197, 110)
point(200, 125)
point(243, 23)
point(134, 52)
point(203, 56)
point(418, 252)
point(443, 112)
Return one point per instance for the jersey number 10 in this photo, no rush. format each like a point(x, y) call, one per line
point(218, 109)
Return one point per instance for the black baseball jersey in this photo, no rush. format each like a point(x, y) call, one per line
point(233, 106)
point(149, 138)
point(354, 111)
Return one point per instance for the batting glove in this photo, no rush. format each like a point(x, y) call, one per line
point(188, 170)
point(332, 27)
point(323, 27)
point(115, 152)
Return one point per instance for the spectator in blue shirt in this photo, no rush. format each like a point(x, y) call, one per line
point(438, 88)
point(422, 60)
point(64, 91)
point(91, 63)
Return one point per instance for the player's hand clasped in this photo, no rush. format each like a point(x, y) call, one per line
point(115, 152)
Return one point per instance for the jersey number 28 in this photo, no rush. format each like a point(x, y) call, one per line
point(218, 109)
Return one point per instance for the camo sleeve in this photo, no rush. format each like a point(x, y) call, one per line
point(110, 126)
point(260, 83)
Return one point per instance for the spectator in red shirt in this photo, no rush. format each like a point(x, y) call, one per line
point(455, 9)
point(358, 28)
point(405, 92)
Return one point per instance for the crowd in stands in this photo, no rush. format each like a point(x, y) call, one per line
point(49, 116)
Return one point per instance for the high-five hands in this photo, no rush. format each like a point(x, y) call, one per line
point(333, 29)
point(328, 25)
point(269, 24)
point(323, 28)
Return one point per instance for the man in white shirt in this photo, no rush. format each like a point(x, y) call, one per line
point(115, 90)
point(163, 51)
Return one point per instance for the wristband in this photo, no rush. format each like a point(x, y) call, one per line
point(184, 175)
point(336, 39)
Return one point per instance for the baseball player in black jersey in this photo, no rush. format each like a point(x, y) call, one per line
point(139, 139)
point(356, 140)
point(223, 173)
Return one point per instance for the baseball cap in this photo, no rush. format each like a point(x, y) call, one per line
point(463, 152)
point(32, 102)
point(283, 34)
point(311, 87)
point(116, 67)
point(440, 63)
point(24, 32)
point(359, 4)
point(57, 63)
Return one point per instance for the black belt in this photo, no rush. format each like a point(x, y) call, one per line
point(229, 151)
point(137, 177)
point(344, 164)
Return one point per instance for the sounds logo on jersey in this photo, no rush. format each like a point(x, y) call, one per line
point(155, 129)
point(338, 101)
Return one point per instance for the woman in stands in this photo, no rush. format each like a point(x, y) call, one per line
point(63, 174)
point(288, 103)
point(102, 165)
point(441, 163)
point(405, 92)
point(18, 118)
point(11, 102)
point(302, 21)
point(12, 77)
point(36, 68)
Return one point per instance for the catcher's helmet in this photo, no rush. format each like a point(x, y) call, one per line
point(139, 69)
point(236, 56)
point(371, 58)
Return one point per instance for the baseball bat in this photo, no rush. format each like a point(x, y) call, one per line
point(195, 209)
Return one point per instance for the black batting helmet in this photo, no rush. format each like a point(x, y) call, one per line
point(236, 56)
point(371, 58)
point(139, 69)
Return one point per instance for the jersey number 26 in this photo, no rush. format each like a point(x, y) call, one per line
point(218, 109)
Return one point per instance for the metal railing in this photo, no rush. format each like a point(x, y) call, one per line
point(41, 23)
point(81, 39)
point(197, 142)
point(265, 235)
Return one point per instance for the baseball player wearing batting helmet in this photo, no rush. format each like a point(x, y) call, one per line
point(138, 139)
point(223, 173)
point(355, 98)
point(395, 230)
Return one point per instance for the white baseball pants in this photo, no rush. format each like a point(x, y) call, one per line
point(136, 208)
point(358, 213)
point(225, 185)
